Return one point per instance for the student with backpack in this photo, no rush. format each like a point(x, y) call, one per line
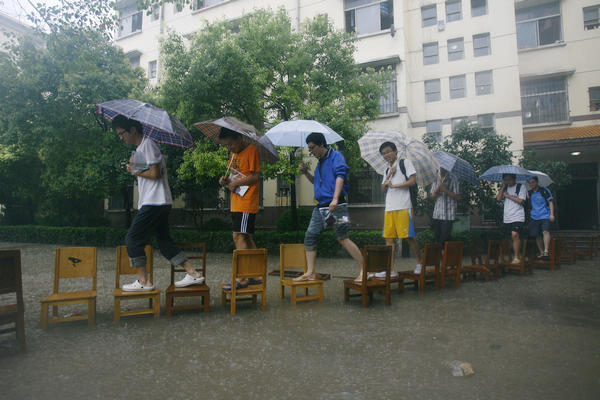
point(514, 197)
point(541, 205)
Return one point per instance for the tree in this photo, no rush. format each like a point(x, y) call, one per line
point(267, 73)
point(47, 97)
point(482, 148)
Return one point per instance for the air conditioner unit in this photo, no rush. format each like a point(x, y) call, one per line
point(441, 25)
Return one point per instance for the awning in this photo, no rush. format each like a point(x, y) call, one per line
point(552, 135)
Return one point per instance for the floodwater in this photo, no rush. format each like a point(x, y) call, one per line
point(533, 337)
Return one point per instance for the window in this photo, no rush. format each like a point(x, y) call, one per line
point(430, 53)
point(538, 25)
point(484, 83)
point(594, 98)
point(134, 61)
point(481, 45)
point(478, 7)
point(432, 90)
point(131, 23)
point(486, 121)
point(434, 129)
point(152, 69)
point(456, 49)
point(453, 10)
point(455, 122)
point(283, 187)
point(155, 12)
point(177, 6)
point(458, 86)
point(368, 16)
point(365, 188)
point(388, 102)
point(198, 4)
point(429, 15)
point(591, 17)
point(544, 100)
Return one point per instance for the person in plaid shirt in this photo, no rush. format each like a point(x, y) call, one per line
point(446, 192)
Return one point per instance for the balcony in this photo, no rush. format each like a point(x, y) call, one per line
point(130, 24)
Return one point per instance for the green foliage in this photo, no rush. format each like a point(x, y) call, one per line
point(556, 170)
point(285, 223)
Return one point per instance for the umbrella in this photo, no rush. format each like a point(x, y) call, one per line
point(294, 133)
point(211, 129)
point(157, 124)
point(543, 179)
point(456, 166)
point(408, 148)
point(495, 173)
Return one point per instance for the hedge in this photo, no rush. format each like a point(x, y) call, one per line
point(216, 241)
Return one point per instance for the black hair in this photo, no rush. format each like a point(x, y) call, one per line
point(227, 133)
point(535, 178)
point(388, 144)
point(509, 175)
point(121, 121)
point(317, 138)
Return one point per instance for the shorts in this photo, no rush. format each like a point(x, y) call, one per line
point(398, 224)
point(537, 227)
point(243, 222)
point(316, 226)
point(513, 227)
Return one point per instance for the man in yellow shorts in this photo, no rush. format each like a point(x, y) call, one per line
point(398, 222)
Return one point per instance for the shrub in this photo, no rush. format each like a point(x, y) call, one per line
point(284, 223)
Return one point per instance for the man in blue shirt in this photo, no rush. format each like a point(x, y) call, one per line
point(542, 213)
point(330, 190)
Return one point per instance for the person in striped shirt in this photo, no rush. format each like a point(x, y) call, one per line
point(446, 192)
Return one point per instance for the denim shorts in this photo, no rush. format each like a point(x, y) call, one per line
point(537, 227)
point(316, 226)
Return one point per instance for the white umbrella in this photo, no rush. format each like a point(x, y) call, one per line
point(543, 179)
point(294, 133)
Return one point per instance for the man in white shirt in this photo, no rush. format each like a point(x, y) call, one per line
point(154, 206)
point(514, 196)
point(398, 222)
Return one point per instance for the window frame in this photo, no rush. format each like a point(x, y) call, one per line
point(487, 127)
point(454, 122)
point(594, 102)
point(152, 72)
point(485, 9)
point(490, 84)
point(430, 45)
point(425, 21)
point(155, 15)
point(542, 95)
point(488, 47)
point(461, 90)
point(460, 40)
point(434, 131)
point(537, 21)
point(350, 15)
point(459, 13)
point(439, 90)
point(596, 23)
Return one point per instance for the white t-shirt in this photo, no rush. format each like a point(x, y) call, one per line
point(399, 198)
point(513, 211)
point(153, 192)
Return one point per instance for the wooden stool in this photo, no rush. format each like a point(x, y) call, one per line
point(202, 291)
point(248, 263)
point(294, 256)
point(10, 282)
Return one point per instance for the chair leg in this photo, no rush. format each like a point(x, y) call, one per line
point(232, 308)
point(320, 293)
point(346, 294)
point(150, 303)
point(422, 285)
point(21, 331)
point(91, 313)
point(293, 295)
point(281, 291)
point(156, 306)
point(206, 304)
point(306, 292)
point(44, 316)
point(263, 300)
point(54, 311)
point(117, 310)
point(401, 285)
point(365, 300)
point(388, 299)
point(223, 297)
point(169, 305)
point(442, 278)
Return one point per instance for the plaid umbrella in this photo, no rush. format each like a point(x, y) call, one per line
point(495, 173)
point(211, 129)
point(543, 179)
point(157, 124)
point(294, 133)
point(408, 148)
point(456, 166)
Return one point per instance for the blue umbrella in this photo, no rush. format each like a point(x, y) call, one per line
point(495, 173)
point(157, 124)
point(456, 166)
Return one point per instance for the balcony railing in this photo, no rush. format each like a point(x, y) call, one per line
point(130, 24)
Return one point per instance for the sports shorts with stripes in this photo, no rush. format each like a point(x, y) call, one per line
point(243, 222)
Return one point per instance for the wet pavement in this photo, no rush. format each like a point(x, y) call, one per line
point(534, 337)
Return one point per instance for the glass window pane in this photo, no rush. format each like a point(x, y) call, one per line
point(485, 120)
point(478, 7)
point(483, 82)
point(455, 49)
point(429, 15)
point(350, 21)
point(368, 19)
point(434, 126)
point(527, 35)
point(454, 122)
point(594, 98)
point(453, 10)
point(432, 90)
point(457, 86)
point(481, 45)
point(356, 3)
point(539, 11)
point(386, 14)
point(549, 30)
point(430, 53)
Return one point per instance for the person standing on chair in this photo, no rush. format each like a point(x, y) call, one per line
point(330, 191)
point(243, 183)
point(514, 196)
point(398, 221)
point(446, 192)
point(542, 214)
point(154, 205)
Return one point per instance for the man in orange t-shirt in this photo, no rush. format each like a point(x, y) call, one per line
point(244, 168)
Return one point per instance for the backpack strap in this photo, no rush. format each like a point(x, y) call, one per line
point(403, 168)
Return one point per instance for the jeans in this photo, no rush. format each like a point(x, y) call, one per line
point(149, 221)
point(315, 227)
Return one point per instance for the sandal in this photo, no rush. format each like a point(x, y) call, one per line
point(305, 277)
point(238, 285)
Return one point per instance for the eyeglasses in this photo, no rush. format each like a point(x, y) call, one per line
point(120, 132)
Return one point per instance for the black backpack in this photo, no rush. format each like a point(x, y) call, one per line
point(526, 204)
point(414, 190)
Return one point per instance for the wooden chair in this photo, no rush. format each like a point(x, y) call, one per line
point(452, 262)
point(597, 246)
point(375, 259)
point(586, 250)
point(478, 265)
point(567, 256)
point(202, 291)
point(10, 282)
point(124, 268)
point(432, 257)
point(247, 263)
point(524, 266)
point(72, 262)
point(553, 261)
point(294, 256)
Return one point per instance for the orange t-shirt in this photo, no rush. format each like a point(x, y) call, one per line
point(246, 162)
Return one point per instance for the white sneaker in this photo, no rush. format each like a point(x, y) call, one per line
point(417, 269)
point(382, 274)
point(138, 287)
point(189, 280)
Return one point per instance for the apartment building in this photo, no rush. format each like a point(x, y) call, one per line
point(528, 68)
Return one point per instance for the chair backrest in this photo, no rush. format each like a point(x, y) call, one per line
point(432, 256)
point(75, 262)
point(249, 263)
point(476, 254)
point(10, 273)
point(192, 248)
point(493, 253)
point(124, 265)
point(291, 256)
point(377, 258)
point(453, 254)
